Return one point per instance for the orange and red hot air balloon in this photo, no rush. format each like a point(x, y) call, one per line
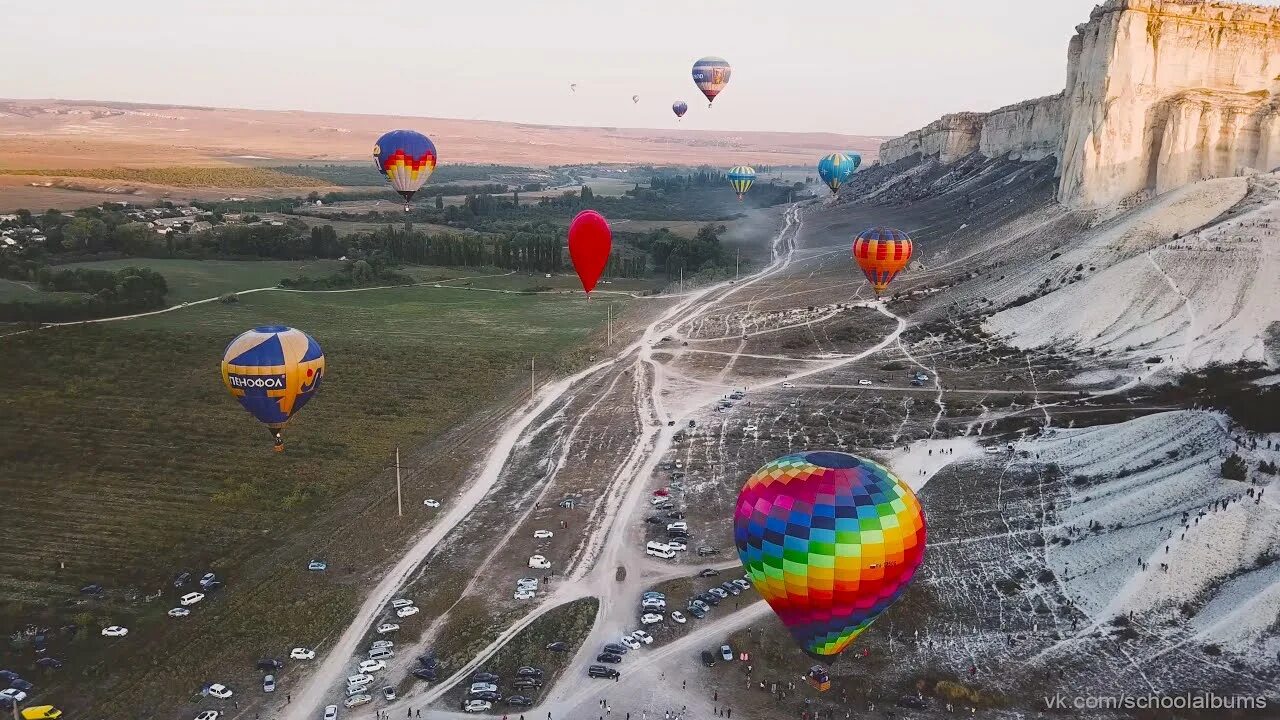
point(590, 242)
point(882, 253)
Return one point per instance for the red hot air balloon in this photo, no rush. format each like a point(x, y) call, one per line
point(590, 241)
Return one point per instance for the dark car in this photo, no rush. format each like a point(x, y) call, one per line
point(709, 572)
point(528, 671)
point(6, 703)
point(711, 600)
point(609, 658)
point(676, 515)
point(428, 660)
point(94, 589)
point(9, 675)
point(182, 579)
point(428, 674)
point(20, 684)
point(600, 671)
point(49, 663)
point(655, 520)
point(678, 534)
point(489, 695)
point(708, 658)
point(705, 550)
point(527, 682)
point(484, 677)
point(558, 646)
point(615, 648)
point(697, 612)
point(733, 589)
point(269, 664)
point(519, 701)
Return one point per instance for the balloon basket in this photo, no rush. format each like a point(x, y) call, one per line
point(818, 678)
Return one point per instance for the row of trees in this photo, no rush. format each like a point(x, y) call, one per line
point(127, 290)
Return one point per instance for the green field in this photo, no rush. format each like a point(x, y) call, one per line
point(199, 279)
point(125, 461)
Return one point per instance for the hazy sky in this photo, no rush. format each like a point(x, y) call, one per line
point(877, 68)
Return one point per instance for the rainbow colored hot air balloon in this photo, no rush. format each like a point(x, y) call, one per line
point(711, 74)
point(882, 253)
point(834, 169)
point(740, 179)
point(273, 371)
point(830, 540)
point(407, 158)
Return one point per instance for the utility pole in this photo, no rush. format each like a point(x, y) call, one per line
point(610, 341)
point(531, 389)
point(736, 255)
point(681, 279)
point(399, 496)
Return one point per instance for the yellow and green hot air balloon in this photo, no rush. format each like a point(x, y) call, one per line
point(740, 178)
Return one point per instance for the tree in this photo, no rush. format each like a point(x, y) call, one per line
point(439, 202)
point(586, 193)
point(1234, 468)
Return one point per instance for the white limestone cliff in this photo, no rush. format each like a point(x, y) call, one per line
point(949, 138)
point(1030, 130)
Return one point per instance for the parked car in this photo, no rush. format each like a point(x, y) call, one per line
point(708, 658)
point(726, 652)
point(382, 645)
point(372, 666)
point(317, 566)
point(220, 691)
point(709, 572)
point(14, 695)
point(519, 701)
point(479, 687)
point(20, 684)
point(677, 545)
point(9, 675)
point(485, 677)
point(401, 603)
point(600, 671)
point(385, 628)
point(49, 663)
point(380, 654)
point(269, 684)
point(527, 683)
point(301, 653)
point(94, 589)
point(405, 612)
point(615, 648)
point(864, 381)
point(558, 646)
point(358, 700)
point(330, 712)
point(182, 579)
point(750, 428)
point(731, 588)
point(191, 598)
point(743, 584)
point(477, 706)
point(115, 631)
point(608, 658)
point(428, 674)
point(360, 679)
point(678, 617)
point(207, 578)
point(655, 520)
point(431, 503)
point(523, 594)
point(389, 692)
point(542, 534)
point(208, 715)
point(650, 619)
point(179, 612)
point(489, 696)
point(704, 551)
point(631, 642)
point(718, 592)
point(787, 385)
point(270, 664)
point(652, 594)
point(538, 562)
point(642, 636)
point(528, 671)
point(653, 604)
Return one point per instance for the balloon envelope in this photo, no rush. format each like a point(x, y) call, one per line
point(856, 157)
point(679, 107)
point(881, 253)
point(406, 158)
point(740, 178)
point(273, 371)
point(834, 169)
point(590, 241)
point(711, 74)
point(830, 540)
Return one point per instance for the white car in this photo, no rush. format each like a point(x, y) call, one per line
point(300, 653)
point(643, 637)
point(429, 502)
point(330, 712)
point(387, 644)
point(681, 525)
point(528, 582)
point(191, 598)
point(208, 715)
point(538, 562)
point(401, 602)
point(14, 694)
point(659, 499)
point(523, 594)
point(650, 619)
point(115, 631)
point(543, 534)
point(864, 382)
point(220, 691)
point(787, 385)
point(385, 628)
point(678, 616)
point(372, 666)
point(479, 687)
point(631, 642)
point(750, 428)
point(405, 612)
point(676, 545)
point(477, 706)
point(357, 700)
point(361, 679)
point(179, 612)
point(653, 604)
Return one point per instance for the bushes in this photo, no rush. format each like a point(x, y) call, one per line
point(127, 290)
point(1234, 468)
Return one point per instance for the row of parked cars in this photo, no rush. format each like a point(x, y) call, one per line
point(359, 686)
point(484, 692)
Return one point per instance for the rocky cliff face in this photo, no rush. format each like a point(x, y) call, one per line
point(1167, 82)
point(1159, 93)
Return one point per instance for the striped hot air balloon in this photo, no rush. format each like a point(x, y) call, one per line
point(711, 74)
point(834, 169)
point(882, 253)
point(406, 158)
point(273, 371)
point(740, 178)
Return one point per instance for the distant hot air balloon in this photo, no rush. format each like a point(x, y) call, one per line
point(856, 158)
point(273, 371)
point(635, 98)
point(679, 107)
point(834, 169)
point(573, 87)
point(830, 541)
point(711, 74)
point(881, 253)
point(407, 158)
point(740, 178)
point(590, 241)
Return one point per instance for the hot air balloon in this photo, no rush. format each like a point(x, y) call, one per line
point(573, 88)
point(856, 158)
point(407, 158)
point(830, 540)
point(834, 169)
point(679, 107)
point(711, 74)
point(740, 178)
point(881, 253)
point(590, 241)
point(273, 371)
point(635, 98)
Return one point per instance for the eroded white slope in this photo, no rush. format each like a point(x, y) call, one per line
point(1205, 297)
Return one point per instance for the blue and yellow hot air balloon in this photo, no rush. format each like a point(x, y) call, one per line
point(273, 371)
point(834, 169)
point(406, 158)
point(856, 158)
point(740, 178)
